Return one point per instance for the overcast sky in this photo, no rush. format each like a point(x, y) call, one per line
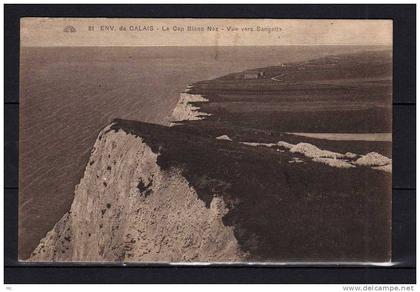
point(50, 32)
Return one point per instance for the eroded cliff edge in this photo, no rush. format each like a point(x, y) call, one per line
point(127, 208)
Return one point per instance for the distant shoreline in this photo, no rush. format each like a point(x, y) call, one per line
point(377, 137)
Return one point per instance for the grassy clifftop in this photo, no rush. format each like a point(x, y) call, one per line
point(280, 211)
point(345, 93)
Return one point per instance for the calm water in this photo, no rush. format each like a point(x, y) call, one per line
point(69, 94)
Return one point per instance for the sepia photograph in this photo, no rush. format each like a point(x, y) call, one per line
point(205, 141)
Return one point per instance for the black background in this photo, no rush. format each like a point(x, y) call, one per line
point(404, 154)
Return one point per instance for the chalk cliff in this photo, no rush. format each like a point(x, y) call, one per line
point(152, 193)
point(126, 208)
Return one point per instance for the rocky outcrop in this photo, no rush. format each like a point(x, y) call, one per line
point(334, 159)
point(186, 110)
point(126, 208)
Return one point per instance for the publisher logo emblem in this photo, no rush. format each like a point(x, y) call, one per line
point(69, 28)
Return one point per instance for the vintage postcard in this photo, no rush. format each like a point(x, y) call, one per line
point(205, 140)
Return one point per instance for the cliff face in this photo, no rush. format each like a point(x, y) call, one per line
point(126, 208)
